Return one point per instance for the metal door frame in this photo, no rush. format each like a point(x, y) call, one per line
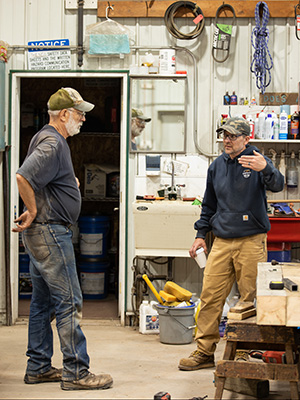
point(14, 139)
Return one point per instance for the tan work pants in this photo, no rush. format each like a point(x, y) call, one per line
point(229, 260)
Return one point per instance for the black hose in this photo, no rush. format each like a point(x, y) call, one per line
point(172, 27)
point(80, 33)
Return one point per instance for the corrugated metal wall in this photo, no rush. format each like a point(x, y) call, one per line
point(26, 20)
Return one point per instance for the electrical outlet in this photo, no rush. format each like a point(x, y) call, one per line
point(88, 4)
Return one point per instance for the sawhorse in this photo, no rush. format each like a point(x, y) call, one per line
point(248, 335)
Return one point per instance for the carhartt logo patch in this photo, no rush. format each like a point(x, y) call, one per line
point(246, 173)
point(245, 217)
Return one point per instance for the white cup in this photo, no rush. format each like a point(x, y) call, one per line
point(201, 257)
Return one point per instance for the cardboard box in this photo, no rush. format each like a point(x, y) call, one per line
point(95, 179)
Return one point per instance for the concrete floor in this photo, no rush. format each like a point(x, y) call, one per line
point(140, 365)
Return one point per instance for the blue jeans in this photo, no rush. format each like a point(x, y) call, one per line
point(55, 289)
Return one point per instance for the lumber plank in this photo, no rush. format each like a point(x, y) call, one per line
point(241, 315)
point(241, 306)
point(157, 8)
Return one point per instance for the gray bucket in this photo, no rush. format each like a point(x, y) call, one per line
point(176, 324)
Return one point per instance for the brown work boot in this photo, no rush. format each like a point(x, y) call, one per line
point(88, 382)
point(197, 360)
point(53, 375)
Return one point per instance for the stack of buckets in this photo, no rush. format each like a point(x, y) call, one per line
point(25, 285)
point(93, 264)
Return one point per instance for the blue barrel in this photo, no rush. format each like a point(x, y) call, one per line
point(25, 284)
point(94, 277)
point(93, 234)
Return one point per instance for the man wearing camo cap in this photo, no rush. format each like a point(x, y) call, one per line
point(138, 123)
point(234, 208)
point(52, 203)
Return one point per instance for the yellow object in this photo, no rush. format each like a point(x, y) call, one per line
point(167, 296)
point(196, 316)
point(177, 291)
point(154, 291)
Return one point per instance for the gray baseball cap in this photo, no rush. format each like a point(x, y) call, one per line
point(135, 113)
point(236, 126)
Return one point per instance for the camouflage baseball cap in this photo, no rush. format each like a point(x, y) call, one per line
point(68, 98)
point(236, 126)
point(135, 113)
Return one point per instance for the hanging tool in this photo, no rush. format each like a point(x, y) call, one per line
point(260, 65)
point(222, 34)
point(297, 20)
point(198, 20)
point(154, 291)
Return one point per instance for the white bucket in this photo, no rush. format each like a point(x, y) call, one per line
point(91, 244)
point(167, 62)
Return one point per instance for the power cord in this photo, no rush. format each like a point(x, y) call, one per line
point(173, 28)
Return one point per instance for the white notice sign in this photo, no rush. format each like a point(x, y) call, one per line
point(52, 59)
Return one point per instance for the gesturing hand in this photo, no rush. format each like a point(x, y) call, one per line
point(257, 162)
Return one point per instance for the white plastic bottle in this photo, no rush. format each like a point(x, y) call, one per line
point(269, 127)
point(148, 319)
point(261, 125)
point(276, 126)
point(283, 125)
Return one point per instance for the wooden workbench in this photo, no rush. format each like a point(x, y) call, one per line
point(248, 335)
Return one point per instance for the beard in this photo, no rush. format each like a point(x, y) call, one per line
point(136, 130)
point(73, 127)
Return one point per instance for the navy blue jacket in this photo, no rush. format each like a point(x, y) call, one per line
point(234, 203)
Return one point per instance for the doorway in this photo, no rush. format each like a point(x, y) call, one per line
point(101, 143)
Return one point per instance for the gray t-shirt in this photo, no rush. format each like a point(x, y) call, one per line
point(49, 170)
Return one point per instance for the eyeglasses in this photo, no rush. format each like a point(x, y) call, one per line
point(80, 113)
point(224, 135)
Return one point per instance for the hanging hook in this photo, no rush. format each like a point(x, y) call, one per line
point(106, 11)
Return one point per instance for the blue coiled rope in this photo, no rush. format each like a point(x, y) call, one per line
point(262, 61)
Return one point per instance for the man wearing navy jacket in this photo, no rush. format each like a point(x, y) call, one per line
point(234, 208)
